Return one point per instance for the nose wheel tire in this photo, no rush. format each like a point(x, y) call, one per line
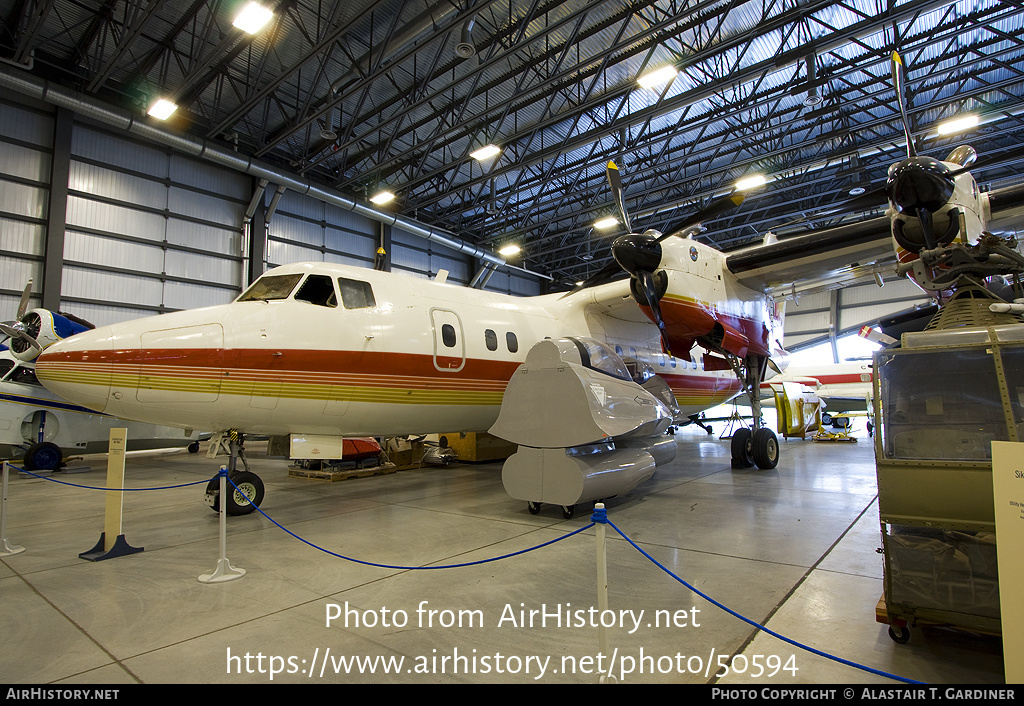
point(43, 456)
point(241, 500)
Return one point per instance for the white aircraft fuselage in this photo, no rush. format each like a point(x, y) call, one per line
point(354, 352)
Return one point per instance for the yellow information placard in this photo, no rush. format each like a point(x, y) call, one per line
point(1008, 493)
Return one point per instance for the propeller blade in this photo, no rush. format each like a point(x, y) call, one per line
point(897, 79)
point(16, 334)
point(23, 304)
point(726, 203)
point(646, 282)
point(605, 274)
point(925, 217)
point(615, 182)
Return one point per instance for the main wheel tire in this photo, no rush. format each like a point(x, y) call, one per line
point(766, 448)
point(241, 501)
point(43, 456)
point(742, 449)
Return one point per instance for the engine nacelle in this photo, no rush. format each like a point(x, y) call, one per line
point(37, 329)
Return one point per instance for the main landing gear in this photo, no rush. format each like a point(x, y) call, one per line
point(758, 446)
point(249, 492)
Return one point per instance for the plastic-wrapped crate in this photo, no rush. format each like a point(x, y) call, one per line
point(942, 570)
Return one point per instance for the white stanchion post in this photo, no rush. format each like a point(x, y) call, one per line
point(602, 591)
point(6, 548)
point(224, 571)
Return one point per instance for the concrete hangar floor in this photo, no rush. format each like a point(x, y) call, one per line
point(792, 548)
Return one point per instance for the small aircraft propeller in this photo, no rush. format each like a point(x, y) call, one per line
point(639, 254)
point(917, 185)
point(18, 330)
point(35, 329)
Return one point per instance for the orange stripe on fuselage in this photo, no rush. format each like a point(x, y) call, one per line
point(324, 367)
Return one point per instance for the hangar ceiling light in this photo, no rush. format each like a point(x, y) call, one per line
point(658, 76)
point(485, 152)
point(750, 182)
point(958, 124)
point(252, 18)
point(162, 109)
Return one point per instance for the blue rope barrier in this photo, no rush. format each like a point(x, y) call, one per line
point(93, 487)
point(753, 623)
point(410, 568)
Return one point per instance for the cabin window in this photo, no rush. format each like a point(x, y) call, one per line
point(319, 290)
point(356, 294)
point(5, 366)
point(491, 340)
point(512, 342)
point(448, 335)
point(270, 287)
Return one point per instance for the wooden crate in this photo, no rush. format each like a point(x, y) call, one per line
point(479, 446)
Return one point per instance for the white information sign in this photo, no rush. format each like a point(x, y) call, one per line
point(1008, 493)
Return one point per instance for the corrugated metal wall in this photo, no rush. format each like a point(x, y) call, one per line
point(148, 229)
point(809, 319)
point(26, 136)
point(303, 229)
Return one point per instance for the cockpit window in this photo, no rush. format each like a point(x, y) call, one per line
point(5, 367)
point(356, 294)
point(319, 290)
point(271, 287)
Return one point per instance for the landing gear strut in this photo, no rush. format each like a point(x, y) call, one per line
point(758, 446)
point(249, 492)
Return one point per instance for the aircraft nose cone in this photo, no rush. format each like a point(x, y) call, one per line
point(919, 183)
point(77, 369)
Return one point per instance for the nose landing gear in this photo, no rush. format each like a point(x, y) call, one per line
point(247, 492)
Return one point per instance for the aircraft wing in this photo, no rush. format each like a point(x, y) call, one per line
point(819, 258)
point(838, 255)
point(1006, 207)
